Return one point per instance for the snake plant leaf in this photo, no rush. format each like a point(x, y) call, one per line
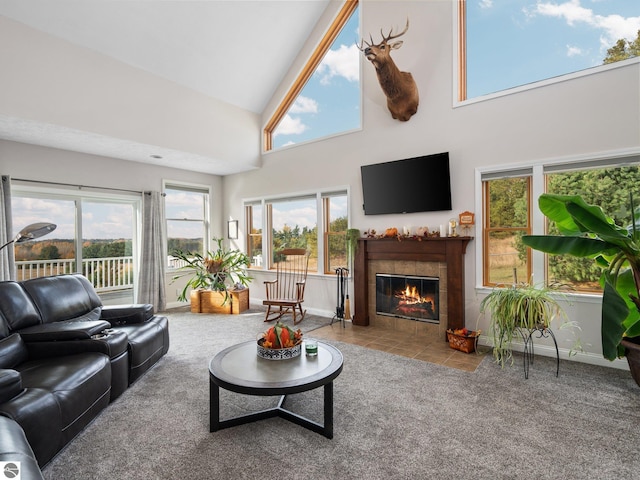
point(614, 313)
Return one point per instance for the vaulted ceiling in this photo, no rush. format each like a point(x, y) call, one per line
point(234, 51)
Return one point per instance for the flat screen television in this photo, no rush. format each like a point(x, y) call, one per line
point(419, 184)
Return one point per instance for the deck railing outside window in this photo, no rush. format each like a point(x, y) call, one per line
point(106, 274)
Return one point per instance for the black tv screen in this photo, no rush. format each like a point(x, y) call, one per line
point(419, 184)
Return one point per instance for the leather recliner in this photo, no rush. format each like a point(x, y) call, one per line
point(52, 398)
point(64, 357)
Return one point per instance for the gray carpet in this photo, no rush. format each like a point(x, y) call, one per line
point(395, 418)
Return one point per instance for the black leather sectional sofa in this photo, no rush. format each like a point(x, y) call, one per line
point(63, 358)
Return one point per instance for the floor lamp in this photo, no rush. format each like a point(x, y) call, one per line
point(31, 232)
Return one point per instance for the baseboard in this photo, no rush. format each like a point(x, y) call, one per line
point(550, 351)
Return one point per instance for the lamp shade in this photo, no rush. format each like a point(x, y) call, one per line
point(35, 230)
point(31, 232)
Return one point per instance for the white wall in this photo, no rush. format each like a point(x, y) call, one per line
point(588, 114)
point(48, 80)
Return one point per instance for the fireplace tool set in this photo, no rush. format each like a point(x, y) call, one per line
point(343, 307)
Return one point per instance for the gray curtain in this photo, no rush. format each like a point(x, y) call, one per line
point(153, 257)
point(7, 255)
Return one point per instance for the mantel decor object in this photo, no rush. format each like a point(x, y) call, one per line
point(466, 220)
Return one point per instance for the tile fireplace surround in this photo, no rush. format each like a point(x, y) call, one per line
point(433, 257)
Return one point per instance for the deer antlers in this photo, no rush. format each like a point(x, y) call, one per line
point(385, 38)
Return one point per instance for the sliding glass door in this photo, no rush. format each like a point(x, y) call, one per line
point(95, 236)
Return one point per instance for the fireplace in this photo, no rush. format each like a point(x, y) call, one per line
point(441, 258)
point(407, 296)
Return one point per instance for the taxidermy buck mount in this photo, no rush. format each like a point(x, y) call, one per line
point(399, 87)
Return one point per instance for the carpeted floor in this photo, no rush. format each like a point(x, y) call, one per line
point(395, 418)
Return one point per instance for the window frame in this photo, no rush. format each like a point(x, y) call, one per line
point(460, 66)
point(194, 188)
point(80, 195)
point(322, 222)
point(487, 229)
point(538, 170)
point(308, 70)
point(327, 232)
point(248, 222)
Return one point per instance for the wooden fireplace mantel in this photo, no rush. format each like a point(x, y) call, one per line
point(448, 250)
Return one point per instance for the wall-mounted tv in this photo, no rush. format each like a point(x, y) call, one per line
point(420, 184)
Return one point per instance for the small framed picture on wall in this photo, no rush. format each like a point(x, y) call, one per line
point(232, 229)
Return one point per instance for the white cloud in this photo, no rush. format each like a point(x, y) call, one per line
point(304, 105)
point(343, 62)
point(613, 27)
point(573, 51)
point(302, 217)
point(290, 126)
point(485, 3)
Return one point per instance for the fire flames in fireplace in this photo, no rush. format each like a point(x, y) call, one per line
point(408, 297)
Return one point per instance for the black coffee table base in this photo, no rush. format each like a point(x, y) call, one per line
point(279, 411)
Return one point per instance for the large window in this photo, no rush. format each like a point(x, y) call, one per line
point(509, 206)
point(293, 224)
point(608, 188)
point(336, 223)
point(253, 219)
point(187, 213)
point(317, 222)
point(94, 236)
point(325, 98)
point(506, 215)
point(506, 44)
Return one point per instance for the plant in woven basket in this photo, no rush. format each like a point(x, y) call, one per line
point(521, 306)
point(218, 270)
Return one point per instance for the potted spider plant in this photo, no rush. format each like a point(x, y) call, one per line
point(213, 276)
point(520, 306)
point(586, 231)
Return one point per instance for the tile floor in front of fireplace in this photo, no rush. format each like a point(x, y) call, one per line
point(400, 343)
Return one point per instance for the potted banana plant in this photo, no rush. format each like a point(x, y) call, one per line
point(586, 231)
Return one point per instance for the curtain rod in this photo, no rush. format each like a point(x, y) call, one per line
point(80, 187)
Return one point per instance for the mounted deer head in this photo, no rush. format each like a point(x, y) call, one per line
point(399, 87)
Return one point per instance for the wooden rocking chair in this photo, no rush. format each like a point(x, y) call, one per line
point(287, 291)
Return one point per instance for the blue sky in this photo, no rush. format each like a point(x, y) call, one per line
point(515, 42)
point(334, 88)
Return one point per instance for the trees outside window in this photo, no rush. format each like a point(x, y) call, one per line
point(317, 222)
point(508, 207)
point(293, 223)
point(94, 236)
point(336, 225)
point(507, 218)
point(608, 188)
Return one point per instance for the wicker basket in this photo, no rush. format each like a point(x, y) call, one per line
point(464, 343)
